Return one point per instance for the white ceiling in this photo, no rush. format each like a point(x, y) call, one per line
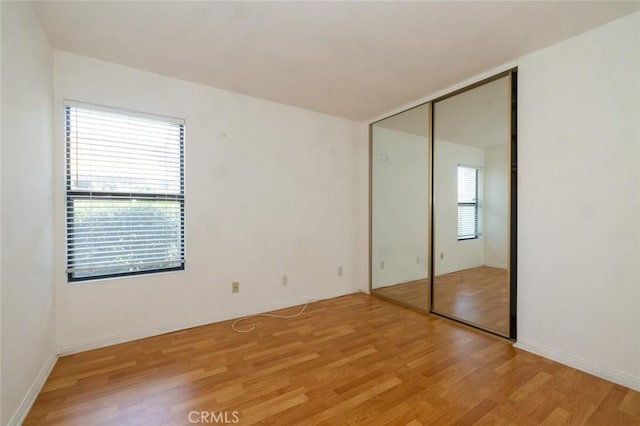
point(355, 60)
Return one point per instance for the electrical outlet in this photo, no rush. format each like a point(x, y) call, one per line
point(441, 256)
point(417, 260)
point(339, 271)
point(285, 280)
point(382, 264)
point(235, 287)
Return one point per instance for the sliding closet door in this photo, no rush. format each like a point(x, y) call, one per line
point(472, 206)
point(400, 190)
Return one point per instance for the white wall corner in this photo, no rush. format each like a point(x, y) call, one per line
point(0, 219)
point(34, 390)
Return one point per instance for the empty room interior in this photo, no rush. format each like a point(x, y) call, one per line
point(411, 213)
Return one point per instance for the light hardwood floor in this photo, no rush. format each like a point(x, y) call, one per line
point(478, 295)
point(353, 359)
point(414, 293)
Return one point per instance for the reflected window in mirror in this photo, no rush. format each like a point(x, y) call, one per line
point(469, 202)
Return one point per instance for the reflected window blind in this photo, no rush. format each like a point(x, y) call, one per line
point(468, 206)
point(125, 193)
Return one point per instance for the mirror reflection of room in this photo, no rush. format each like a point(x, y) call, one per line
point(471, 206)
point(400, 201)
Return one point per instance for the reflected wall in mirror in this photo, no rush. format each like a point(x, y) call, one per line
point(472, 140)
point(400, 207)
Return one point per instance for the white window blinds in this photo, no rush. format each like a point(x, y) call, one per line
point(468, 203)
point(125, 193)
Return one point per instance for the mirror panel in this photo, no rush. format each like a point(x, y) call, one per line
point(400, 191)
point(471, 208)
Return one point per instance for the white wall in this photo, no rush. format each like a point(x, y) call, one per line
point(360, 176)
point(270, 190)
point(1, 410)
point(495, 206)
point(28, 331)
point(456, 255)
point(400, 207)
point(579, 201)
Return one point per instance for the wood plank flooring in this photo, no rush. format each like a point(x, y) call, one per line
point(478, 295)
point(414, 293)
point(353, 359)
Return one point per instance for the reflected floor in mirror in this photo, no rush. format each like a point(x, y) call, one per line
point(414, 293)
point(478, 295)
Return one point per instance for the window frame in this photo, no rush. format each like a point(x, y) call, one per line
point(475, 204)
point(74, 194)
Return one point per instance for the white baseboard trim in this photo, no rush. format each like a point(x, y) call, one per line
point(33, 392)
point(496, 265)
point(610, 374)
point(114, 339)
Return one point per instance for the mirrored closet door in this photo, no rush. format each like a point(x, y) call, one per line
point(471, 175)
point(443, 206)
point(400, 188)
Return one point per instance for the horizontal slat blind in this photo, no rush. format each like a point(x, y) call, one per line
point(467, 202)
point(125, 193)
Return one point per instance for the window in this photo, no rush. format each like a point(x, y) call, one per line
point(125, 193)
point(468, 203)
